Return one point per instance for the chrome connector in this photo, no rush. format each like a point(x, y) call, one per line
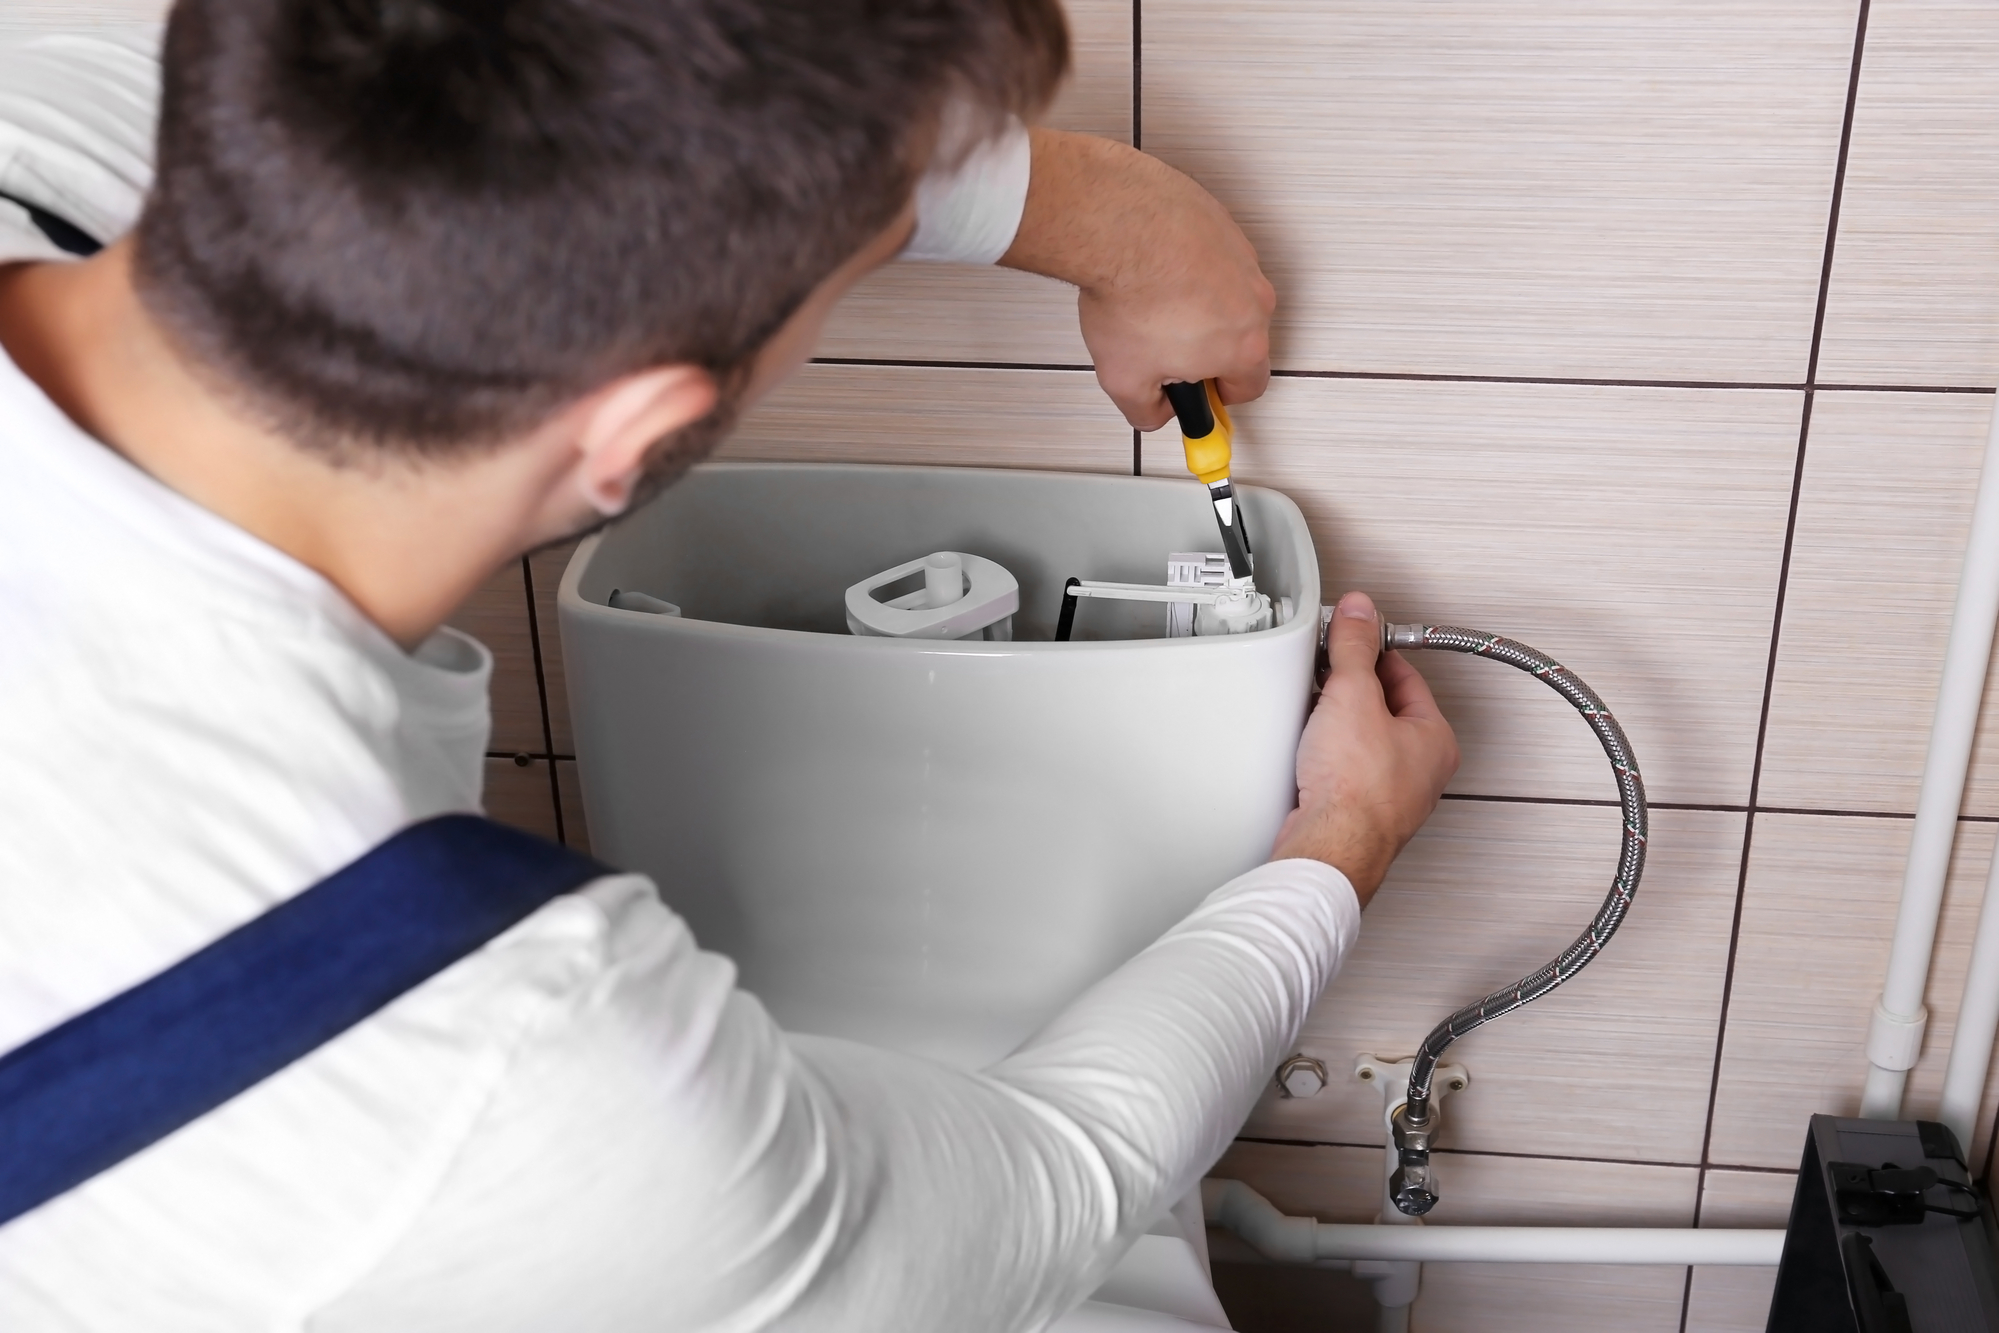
point(1402, 636)
point(1412, 1187)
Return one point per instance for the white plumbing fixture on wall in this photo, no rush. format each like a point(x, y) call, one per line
point(1977, 1022)
point(1397, 1280)
point(1895, 1037)
point(1305, 1240)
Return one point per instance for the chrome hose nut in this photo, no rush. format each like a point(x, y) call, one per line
point(1411, 1189)
point(1411, 1186)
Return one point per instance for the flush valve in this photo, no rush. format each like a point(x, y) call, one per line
point(1412, 1187)
point(943, 595)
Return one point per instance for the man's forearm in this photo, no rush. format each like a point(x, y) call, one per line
point(1170, 288)
point(1016, 1189)
point(1091, 204)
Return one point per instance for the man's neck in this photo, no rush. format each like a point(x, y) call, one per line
point(405, 542)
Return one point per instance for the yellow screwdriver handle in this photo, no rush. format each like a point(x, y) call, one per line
point(1205, 428)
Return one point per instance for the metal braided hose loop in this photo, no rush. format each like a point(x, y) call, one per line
point(1630, 859)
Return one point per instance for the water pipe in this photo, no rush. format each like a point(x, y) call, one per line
point(1977, 1020)
point(1895, 1035)
point(1305, 1240)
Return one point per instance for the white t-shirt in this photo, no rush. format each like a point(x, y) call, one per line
point(584, 1125)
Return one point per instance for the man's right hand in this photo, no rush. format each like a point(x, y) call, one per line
point(1374, 759)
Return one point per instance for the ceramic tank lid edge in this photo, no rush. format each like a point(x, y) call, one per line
point(571, 601)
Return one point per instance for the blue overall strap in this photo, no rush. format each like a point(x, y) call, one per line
point(62, 233)
point(91, 1092)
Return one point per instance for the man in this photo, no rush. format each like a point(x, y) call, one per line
point(424, 284)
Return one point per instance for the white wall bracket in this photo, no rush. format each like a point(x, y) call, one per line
point(1391, 1078)
point(1398, 1281)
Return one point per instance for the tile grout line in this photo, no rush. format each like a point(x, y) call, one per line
point(1838, 194)
point(1711, 807)
point(1579, 381)
point(541, 690)
point(1777, 623)
point(1137, 79)
point(1592, 382)
point(1137, 137)
point(911, 363)
point(1900, 388)
point(1420, 377)
point(1737, 1167)
point(1599, 801)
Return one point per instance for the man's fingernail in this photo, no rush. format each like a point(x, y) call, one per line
point(1355, 607)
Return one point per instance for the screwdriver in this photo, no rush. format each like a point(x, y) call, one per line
point(1206, 431)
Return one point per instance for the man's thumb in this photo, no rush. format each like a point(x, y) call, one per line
point(1354, 641)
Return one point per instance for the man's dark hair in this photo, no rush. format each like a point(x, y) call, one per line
point(426, 224)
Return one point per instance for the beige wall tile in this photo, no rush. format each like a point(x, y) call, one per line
point(1616, 1064)
point(1730, 1300)
point(1635, 534)
point(519, 794)
point(1749, 1198)
point(1915, 281)
point(497, 616)
point(1737, 1300)
point(1055, 419)
point(1548, 1298)
point(1817, 917)
point(1097, 98)
point(1330, 1182)
point(546, 568)
point(1343, 1185)
point(957, 312)
point(1883, 517)
point(1520, 188)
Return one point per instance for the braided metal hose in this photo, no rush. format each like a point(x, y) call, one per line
point(1412, 1188)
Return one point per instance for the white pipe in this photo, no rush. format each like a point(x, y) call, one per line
point(1272, 1234)
point(1232, 1204)
point(1551, 1245)
point(1396, 1285)
point(1977, 1022)
point(1895, 1037)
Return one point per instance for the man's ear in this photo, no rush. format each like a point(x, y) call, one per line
point(621, 422)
